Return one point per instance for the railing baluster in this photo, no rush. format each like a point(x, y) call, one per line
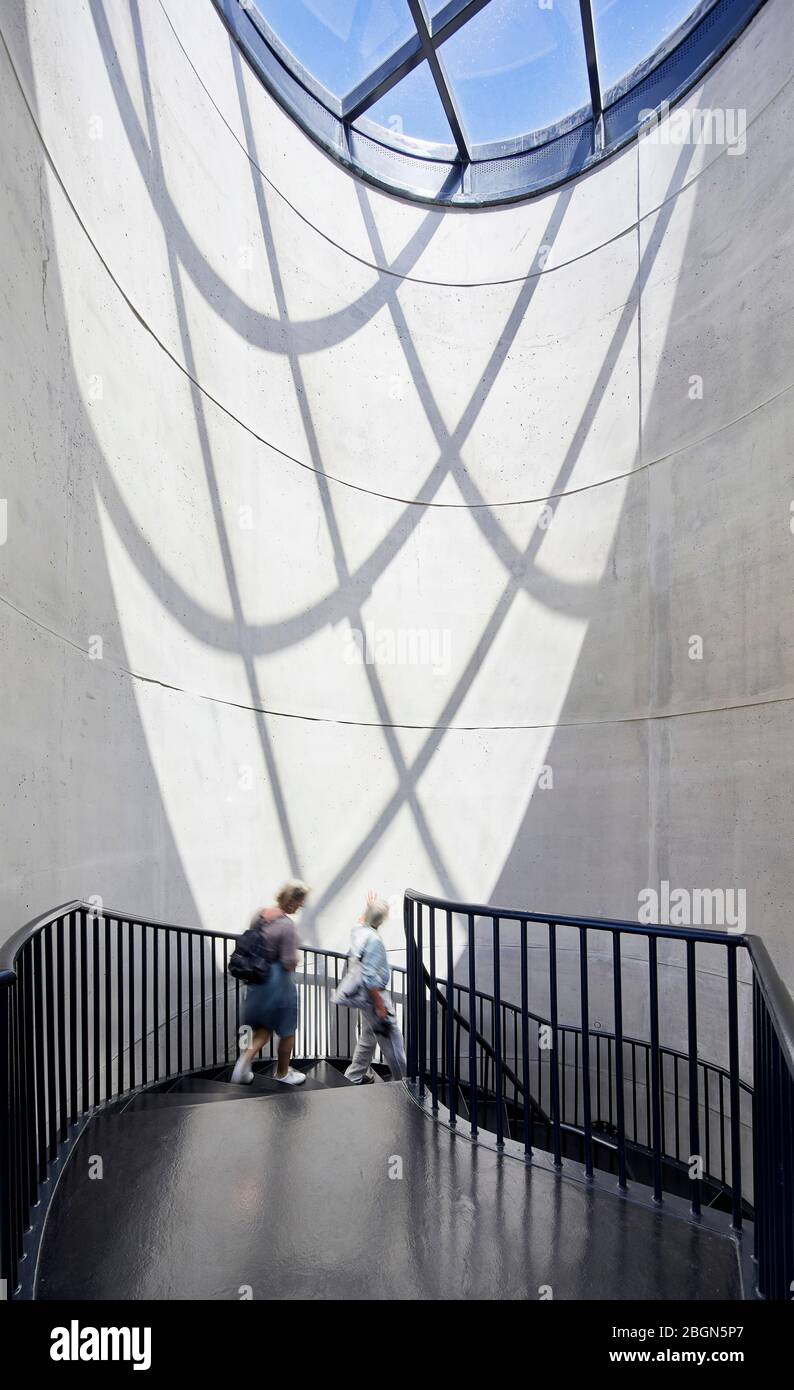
point(131, 955)
point(167, 982)
point(203, 991)
point(721, 1080)
point(190, 1004)
point(677, 1105)
point(72, 1009)
point(758, 1193)
point(555, 1076)
point(226, 955)
point(41, 1039)
point(692, 1044)
point(120, 1010)
point(95, 1004)
point(497, 1013)
point(179, 1000)
point(63, 1099)
point(29, 1058)
point(473, 1079)
point(733, 1067)
point(12, 1149)
point(584, 991)
point(84, 1019)
point(598, 1076)
point(410, 1003)
point(653, 985)
point(155, 1004)
point(617, 985)
point(433, 1013)
point(452, 1089)
point(8, 1267)
point(525, 1042)
point(108, 1014)
point(214, 1002)
point(706, 1120)
point(420, 991)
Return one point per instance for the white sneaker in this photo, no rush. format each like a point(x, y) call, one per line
point(293, 1078)
point(242, 1074)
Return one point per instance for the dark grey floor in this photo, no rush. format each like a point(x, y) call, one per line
point(292, 1196)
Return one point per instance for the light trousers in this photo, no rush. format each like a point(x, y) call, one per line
point(377, 1032)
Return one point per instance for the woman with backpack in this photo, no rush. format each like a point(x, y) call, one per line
point(271, 1005)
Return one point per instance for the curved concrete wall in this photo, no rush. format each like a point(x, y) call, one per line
point(255, 407)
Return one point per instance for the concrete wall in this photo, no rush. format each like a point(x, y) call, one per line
point(252, 405)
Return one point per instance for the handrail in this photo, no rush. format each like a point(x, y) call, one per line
point(610, 924)
point(10, 948)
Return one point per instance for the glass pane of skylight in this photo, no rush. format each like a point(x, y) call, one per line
point(436, 8)
point(628, 32)
point(340, 42)
point(412, 109)
point(517, 67)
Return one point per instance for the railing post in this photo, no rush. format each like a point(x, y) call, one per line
point(617, 981)
point(473, 1078)
point(733, 1066)
point(420, 1001)
point(555, 1075)
point(584, 991)
point(8, 1268)
point(410, 987)
point(497, 1034)
point(433, 1013)
point(452, 1079)
point(692, 1044)
point(525, 1043)
point(656, 1119)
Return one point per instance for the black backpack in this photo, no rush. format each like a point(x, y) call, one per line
point(249, 962)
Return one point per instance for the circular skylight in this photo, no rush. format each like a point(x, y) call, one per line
point(476, 101)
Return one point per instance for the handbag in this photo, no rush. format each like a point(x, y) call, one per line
point(351, 992)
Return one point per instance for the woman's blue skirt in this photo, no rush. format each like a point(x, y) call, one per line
point(274, 1004)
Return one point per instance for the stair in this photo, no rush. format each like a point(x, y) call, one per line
point(213, 1085)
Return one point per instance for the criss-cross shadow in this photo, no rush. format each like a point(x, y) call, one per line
point(295, 340)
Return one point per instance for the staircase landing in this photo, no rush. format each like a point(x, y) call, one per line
point(292, 1196)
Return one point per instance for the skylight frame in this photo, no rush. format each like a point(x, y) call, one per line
point(463, 173)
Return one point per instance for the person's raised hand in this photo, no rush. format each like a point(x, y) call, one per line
point(371, 898)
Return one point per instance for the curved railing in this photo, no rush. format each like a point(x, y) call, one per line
point(713, 1087)
point(95, 1004)
point(723, 1122)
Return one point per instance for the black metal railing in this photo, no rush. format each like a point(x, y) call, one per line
point(532, 1077)
point(636, 1099)
point(96, 1004)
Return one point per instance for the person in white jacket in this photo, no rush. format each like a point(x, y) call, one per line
point(377, 1018)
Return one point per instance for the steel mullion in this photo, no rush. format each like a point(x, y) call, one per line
point(593, 76)
point(408, 56)
point(447, 99)
point(449, 20)
point(381, 81)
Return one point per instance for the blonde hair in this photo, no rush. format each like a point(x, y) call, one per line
point(293, 889)
point(375, 913)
